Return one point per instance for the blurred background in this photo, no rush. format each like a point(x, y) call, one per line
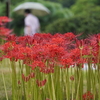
point(78, 16)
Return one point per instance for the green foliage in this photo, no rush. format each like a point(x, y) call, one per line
point(97, 2)
point(64, 13)
point(17, 24)
point(14, 2)
point(68, 3)
point(57, 11)
point(84, 6)
point(52, 6)
point(2, 9)
point(3, 0)
point(86, 19)
point(65, 3)
point(78, 24)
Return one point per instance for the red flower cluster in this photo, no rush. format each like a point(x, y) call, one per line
point(72, 78)
point(27, 78)
point(88, 96)
point(4, 31)
point(35, 52)
point(45, 51)
point(51, 49)
point(4, 19)
point(47, 70)
point(41, 83)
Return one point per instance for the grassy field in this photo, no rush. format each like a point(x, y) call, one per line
point(7, 83)
point(6, 72)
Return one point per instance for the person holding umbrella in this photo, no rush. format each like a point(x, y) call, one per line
point(32, 24)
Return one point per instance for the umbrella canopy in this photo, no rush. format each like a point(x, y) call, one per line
point(36, 8)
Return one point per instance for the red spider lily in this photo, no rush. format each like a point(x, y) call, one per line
point(87, 50)
point(25, 40)
point(19, 82)
point(42, 48)
point(32, 75)
point(16, 53)
point(4, 31)
point(39, 64)
point(4, 19)
point(42, 38)
point(11, 38)
point(67, 62)
point(95, 47)
point(8, 46)
point(27, 78)
point(64, 40)
point(88, 96)
point(22, 53)
point(58, 40)
point(13, 51)
point(41, 83)
point(69, 36)
point(97, 36)
point(37, 39)
point(55, 51)
point(80, 43)
point(75, 54)
point(40, 53)
point(47, 70)
point(72, 78)
point(48, 99)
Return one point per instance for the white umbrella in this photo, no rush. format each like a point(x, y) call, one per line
point(36, 8)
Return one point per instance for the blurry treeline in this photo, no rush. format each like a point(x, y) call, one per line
point(78, 16)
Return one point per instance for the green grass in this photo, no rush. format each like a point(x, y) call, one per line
point(4, 68)
point(7, 83)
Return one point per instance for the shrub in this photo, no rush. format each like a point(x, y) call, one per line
point(78, 24)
